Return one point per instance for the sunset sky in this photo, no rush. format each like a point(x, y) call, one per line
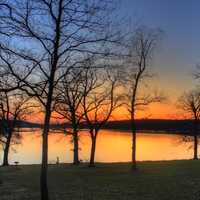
point(177, 55)
point(100, 99)
point(179, 51)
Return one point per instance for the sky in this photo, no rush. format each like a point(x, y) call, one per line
point(179, 51)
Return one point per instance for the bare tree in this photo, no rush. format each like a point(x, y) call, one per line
point(68, 104)
point(41, 38)
point(189, 102)
point(136, 72)
point(99, 102)
point(13, 108)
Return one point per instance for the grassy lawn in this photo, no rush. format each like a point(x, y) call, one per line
point(168, 180)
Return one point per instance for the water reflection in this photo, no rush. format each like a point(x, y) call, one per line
point(112, 146)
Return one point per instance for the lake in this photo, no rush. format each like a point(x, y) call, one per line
point(112, 146)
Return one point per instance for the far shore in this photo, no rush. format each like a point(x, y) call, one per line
point(160, 126)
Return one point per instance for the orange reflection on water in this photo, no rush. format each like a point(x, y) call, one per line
point(112, 146)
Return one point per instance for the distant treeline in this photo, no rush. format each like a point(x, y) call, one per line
point(148, 125)
point(156, 125)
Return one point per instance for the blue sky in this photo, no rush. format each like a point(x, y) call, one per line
point(179, 51)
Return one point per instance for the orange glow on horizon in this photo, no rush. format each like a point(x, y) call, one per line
point(154, 111)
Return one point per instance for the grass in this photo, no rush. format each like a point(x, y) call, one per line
point(166, 180)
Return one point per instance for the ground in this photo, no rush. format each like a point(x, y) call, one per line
point(166, 180)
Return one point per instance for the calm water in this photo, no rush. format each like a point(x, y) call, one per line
point(112, 146)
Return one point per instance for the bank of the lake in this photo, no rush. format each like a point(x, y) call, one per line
point(166, 180)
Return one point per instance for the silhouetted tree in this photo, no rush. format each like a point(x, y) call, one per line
point(13, 108)
point(99, 102)
point(68, 104)
point(189, 102)
point(44, 37)
point(136, 71)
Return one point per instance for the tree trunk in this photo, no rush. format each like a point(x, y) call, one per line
point(134, 165)
point(76, 148)
point(92, 153)
point(93, 148)
point(44, 167)
point(195, 147)
point(195, 132)
point(6, 150)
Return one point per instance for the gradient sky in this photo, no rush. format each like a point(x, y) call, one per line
point(179, 51)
